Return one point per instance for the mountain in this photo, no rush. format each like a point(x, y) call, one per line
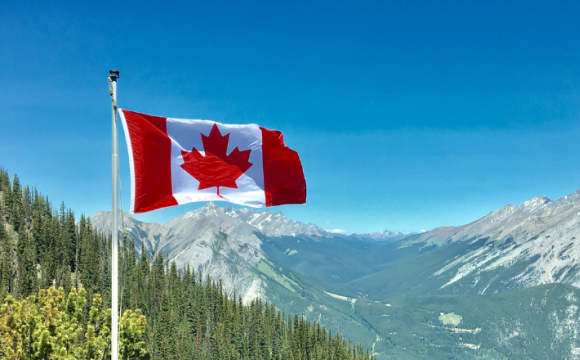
point(148, 234)
point(383, 236)
point(338, 260)
point(222, 242)
point(512, 248)
point(253, 236)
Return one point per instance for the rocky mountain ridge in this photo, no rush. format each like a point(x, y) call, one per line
point(383, 236)
point(221, 242)
point(514, 247)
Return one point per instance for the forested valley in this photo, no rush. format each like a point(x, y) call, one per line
point(50, 260)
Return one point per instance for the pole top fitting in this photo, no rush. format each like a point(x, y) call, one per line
point(114, 75)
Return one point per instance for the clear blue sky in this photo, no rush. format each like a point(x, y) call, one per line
point(408, 115)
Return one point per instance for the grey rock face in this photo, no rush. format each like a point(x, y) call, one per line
point(534, 243)
point(221, 242)
point(148, 234)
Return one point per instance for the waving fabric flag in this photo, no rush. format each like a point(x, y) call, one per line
point(176, 161)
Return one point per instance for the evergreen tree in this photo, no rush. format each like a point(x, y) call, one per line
point(5, 261)
point(16, 209)
point(28, 274)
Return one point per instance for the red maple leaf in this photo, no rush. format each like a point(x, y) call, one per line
point(216, 169)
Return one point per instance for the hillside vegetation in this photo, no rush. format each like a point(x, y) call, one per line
point(188, 316)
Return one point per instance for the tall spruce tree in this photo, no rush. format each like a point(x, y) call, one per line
point(5, 261)
point(16, 210)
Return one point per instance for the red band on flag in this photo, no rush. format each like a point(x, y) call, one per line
point(151, 153)
point(284, 181)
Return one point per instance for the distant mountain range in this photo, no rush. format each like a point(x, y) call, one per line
point(383, 236)
point(503, 286)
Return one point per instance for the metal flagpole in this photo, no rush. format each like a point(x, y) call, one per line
point(113, 76)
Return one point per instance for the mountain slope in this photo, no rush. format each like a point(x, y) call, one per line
point(148, 234)
point(534, 323)
point(515, 247)
point(338, 260)
point(385, 236)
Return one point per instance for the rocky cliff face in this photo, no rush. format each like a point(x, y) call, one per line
point(530, 244)
point(221, 242)
point(148, 234)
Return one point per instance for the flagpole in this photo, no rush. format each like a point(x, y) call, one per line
point(113, 76)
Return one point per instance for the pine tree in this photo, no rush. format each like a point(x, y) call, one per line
point(143, 298)
point(16, 209)
point(5, 261)
point(28, 275)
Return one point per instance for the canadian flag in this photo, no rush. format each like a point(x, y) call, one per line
point(176, 161)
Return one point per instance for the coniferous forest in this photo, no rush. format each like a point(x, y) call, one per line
point(173, 313)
